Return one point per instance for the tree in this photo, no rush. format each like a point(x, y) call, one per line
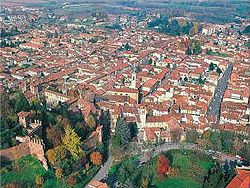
point(162, 166)
point(59, 173)
point(96, 158)
point(71, 181)
point(91, 121)
point(133, 129)
point(215, 140)
point(105, 122)
point(144, 182)
point(218, 70)
point(127, 46)
point(122, 132)
point(197, 48)
point(54, 135)
point(237, 145)
point(72, 142)
point(204, 144)
point(13, 185)
point(188, 51)
point(51, 155)
point(211, 66)
point(39, 180)
point(82, 129)
point(21, 103)
point(194, 29)
point(247, 30)
point(176, 135)
point(192, 136)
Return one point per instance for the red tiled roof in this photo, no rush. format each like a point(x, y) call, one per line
point(241, 180)
point(23, 114)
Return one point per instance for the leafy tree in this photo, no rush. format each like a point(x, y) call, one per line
point(192, 136)
point(144, 182)
point(247, 30)
point(127, 46)
point(21, 103)
point(71, 181)
point(162, 166)
point(227, 141)
point(122, 132)
point(209, 52)
point(176, 135)
point(125, 171)
point(215, 140)
point(197, 48)
point(237, 145)
point(13, 185)
point(218, 70)
point(204, 143)
point(245, 151)
point(59, 173)
point(91, 121)
point(54, 135)
point(62, 109)
point(51, 155)
point(188, 51)
point(39, 180)
point(82, 129)
point(105, 122)
point(211, 66)
point(72, 142)
point(133, 129)
point(58, 154)
point(96, 158)
point(194, 29)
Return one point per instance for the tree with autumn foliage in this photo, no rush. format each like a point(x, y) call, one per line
point(96, 158)
point(72, 142)
point(59, 173)
point(91, 122)
point(57, 154)
point(162, 166)
point(71, 181)
point(39, 180)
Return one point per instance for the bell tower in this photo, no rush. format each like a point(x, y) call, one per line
point(143, 117)
point(133, 81)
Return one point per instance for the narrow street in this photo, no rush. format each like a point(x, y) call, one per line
point(215, 104)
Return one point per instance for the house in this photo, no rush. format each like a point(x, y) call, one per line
point(96, 184)
point(132, 93)
point(54, 98)
point(241, 180)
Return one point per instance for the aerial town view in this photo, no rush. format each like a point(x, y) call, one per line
point(125, 93)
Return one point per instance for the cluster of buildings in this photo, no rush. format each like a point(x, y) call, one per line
point(141, 74)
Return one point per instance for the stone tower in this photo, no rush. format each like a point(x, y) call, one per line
point(133, 80)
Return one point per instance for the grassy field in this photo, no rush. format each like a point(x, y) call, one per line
point(177, 182)
point(191, 170)
point(26, 170)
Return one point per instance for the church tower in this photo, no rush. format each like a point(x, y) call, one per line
point(143, 117)
point(133, 81)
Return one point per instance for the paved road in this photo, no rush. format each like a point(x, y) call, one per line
point(215, 104)
point(104, 169)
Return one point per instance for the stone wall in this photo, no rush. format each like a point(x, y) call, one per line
point(29, 146)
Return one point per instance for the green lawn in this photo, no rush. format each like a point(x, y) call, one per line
point(188, 169)
point(191, 169)
point(27, 169)
point(177, 183)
